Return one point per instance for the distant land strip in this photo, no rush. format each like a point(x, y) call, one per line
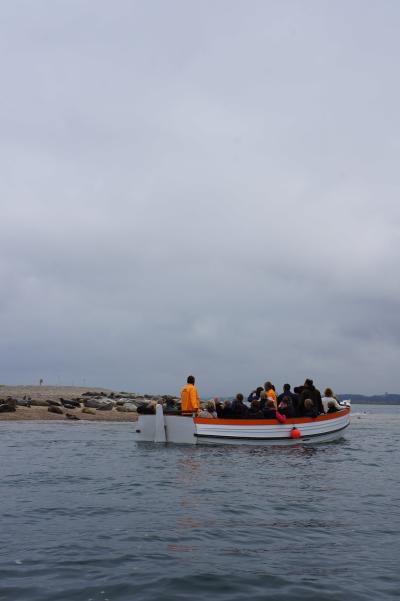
point(70, 391)
point(376, 399)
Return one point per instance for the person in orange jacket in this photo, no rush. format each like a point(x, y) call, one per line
point(270, 392)
point(190, 398)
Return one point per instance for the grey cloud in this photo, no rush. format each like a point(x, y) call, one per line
point(199, 188)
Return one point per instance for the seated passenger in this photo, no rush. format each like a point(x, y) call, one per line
point(270, 411)
point(294, 398)
point(238, 408)
point(226, 412)
point(328, 398)
point(219, 406)
point(310, 392)
point(255, 410)
point(209, 410)
point(263, 399)
point(309, 409)
point(255, 394)
point(332, 407)
point(285, 407)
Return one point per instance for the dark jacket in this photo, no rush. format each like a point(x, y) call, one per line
point(219, 408)
point(269, 413)
point(310, 392)
point(226, 413)
point(310, 413)
point(239, 410)
point(292, 396)
point(255, 414)
point(288, 411)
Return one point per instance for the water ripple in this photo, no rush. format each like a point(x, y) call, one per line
point(88, 514)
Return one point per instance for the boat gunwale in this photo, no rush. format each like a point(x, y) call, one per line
point(271, 422)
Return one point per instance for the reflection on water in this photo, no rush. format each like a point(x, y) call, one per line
point(89, 514)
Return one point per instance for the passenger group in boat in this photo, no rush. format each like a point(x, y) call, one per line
point(263, 403)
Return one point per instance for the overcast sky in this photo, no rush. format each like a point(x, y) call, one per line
point(206, 187)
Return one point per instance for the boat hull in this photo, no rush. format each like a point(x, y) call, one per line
point(328, 437)
point(195, 430)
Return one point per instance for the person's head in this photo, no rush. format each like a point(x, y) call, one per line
point(308, 404)
point(190, 380)
point(308, 383)
point(328, 392)
point(270, 404)
point(239, 397)
point(267, 386)
point(255, 405)
point(227, 404)
point(210, 406)
point(263, 395)
point(259, 390)
point(286, 388)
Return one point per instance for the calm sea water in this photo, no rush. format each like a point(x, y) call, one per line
point(88, 514)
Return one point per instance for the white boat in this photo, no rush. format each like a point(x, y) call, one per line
point(160, 427)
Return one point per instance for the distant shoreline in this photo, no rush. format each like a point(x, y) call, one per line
point(376, 403)
point(55, 393)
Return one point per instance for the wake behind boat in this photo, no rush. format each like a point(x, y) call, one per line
point(160, 427)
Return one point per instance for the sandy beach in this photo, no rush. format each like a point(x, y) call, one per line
point(54, 393)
